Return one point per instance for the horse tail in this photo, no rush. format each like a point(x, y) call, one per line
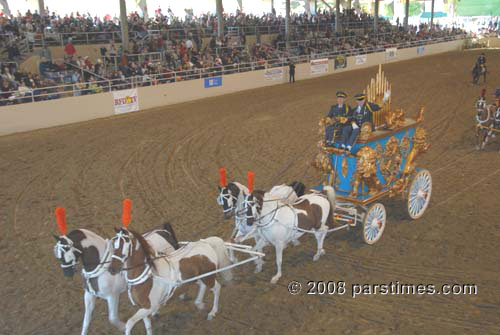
point(330, 195)
point(298, 187)
point(223, 258)
point(168, 227)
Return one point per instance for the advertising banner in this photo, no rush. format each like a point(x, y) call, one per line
point(319, 66)
point(213, 82)
point(360, 59)
point(126, 101)
point(390, 54)
point(340, 62)
point(274, 74)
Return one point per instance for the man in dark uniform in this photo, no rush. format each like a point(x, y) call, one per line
point(481, 59)
point(339, 113)
point(291, 70)
point(359, 115)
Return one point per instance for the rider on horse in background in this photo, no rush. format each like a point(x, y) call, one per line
point(339, 113)
point(479, 69)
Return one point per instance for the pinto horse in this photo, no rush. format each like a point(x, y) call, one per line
point(278, 224)
point(152, 278)
point(95, 254)
point(487, 119)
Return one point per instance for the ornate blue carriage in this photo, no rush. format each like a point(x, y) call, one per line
point(380, 164)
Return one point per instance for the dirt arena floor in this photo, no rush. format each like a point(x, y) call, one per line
point(167, 161)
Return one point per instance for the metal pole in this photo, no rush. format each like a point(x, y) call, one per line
point(287, 20)
point(375, 19)
point(337, 15)
point(41, 7)
point(124, 24)
point(220, 20)
point(6, 8)
point(432, 14)
point(407, 14)
point(240, 4)
point(272, 6)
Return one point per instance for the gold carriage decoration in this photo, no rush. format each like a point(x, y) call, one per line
point(394, 159)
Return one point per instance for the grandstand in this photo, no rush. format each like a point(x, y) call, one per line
point(55, 55)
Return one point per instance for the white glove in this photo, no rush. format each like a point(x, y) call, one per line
point(387, 95)
point(354, 125)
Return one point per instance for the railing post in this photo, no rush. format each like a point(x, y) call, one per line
point(87, 36)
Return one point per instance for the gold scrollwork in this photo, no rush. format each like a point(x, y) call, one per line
point(366, 172)
point(345, 167)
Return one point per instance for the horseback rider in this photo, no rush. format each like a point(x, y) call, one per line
point(339, 113)
point(481, 60)
point(359, 115)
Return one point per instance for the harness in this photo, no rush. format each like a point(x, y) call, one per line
point(222, 197)
point(61, 249)
point(99, 270)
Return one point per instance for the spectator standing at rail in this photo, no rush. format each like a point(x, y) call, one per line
point(69, 49)
point(291, 71)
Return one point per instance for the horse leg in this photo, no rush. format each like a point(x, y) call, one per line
point(259, 245)
point(279, 258)
point(201, 294)
point(215, 307)
point(296, 242)
point(147, 325)
point(141, 314)
point(89, 300)
point(320, 238)
point(113, 302)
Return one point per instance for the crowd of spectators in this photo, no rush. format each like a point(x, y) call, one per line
point(161, 58)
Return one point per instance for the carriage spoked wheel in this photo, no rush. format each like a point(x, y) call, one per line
point(374, 223)
point(419, 194)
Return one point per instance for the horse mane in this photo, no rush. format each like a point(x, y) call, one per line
point(146, 248)
point(235, 190)
point(259, 196)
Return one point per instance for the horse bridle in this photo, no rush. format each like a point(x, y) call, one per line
point(126, 249)
point(227, 197)
point(60, 250)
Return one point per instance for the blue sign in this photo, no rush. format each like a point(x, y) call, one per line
point(213, 82)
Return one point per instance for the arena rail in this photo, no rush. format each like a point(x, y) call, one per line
point(80, 106)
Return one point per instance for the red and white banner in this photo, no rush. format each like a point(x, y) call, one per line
point(126, 101)
point(319, 66)
point(274, 74)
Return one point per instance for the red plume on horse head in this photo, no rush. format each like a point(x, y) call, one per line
point(127, 212)
point(483, 92)
point(223, 177)
point(251, 180)
point(61, 220)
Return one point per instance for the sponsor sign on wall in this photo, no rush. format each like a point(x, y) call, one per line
point(421, 50)
point(360, 59)
point(213, 82)
point(126, 101)
point(319, 66)
point(274, 74)
point(340, 62)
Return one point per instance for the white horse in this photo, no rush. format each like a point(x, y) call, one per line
point(95, 254)
point(232, 199)
point(278, 224)
point(152, 279)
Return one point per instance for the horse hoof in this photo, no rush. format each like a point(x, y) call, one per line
point(296, 243)
point(258, 269)
point(275, 279)
point(316, 258)
point(210, 316)
point(200, 305)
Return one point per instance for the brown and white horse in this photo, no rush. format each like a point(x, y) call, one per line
point(95, 254)
point(487, 119)
point(278, 224)
point(153, 278)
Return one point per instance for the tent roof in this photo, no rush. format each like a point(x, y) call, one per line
point(427, 15)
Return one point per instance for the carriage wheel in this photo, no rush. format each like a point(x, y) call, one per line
point(419, 194)
point(374, 223)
